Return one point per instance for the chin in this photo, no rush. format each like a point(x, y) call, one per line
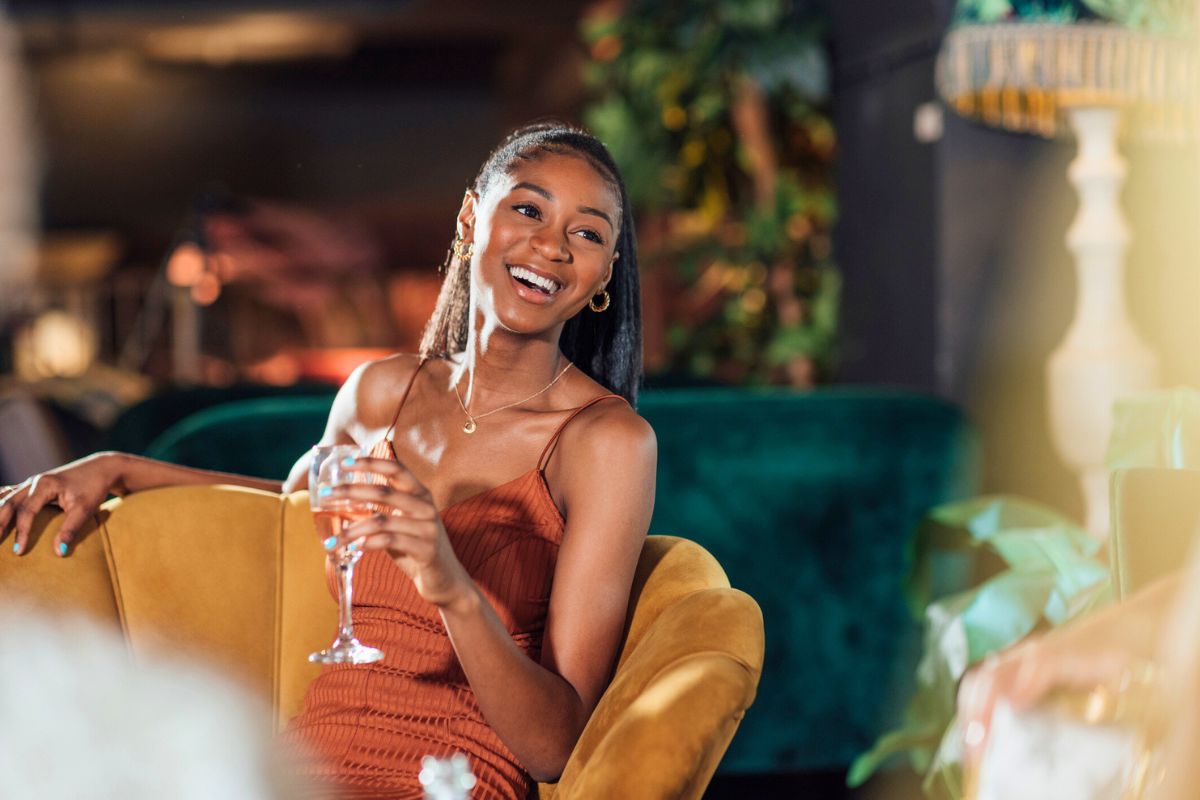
point(524, 323)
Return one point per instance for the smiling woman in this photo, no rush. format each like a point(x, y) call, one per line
point(560, 180)
point(499, 601)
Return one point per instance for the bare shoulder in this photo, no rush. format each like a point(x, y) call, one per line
point(610, 431)
point(369, 396)
point(606, 476)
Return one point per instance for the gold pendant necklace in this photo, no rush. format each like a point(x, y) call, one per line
point(470, 425)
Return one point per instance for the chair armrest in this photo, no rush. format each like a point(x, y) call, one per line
point(674, 704)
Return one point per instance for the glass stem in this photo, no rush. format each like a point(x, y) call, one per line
point(345, 598)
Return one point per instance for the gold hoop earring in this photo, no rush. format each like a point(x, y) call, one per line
point(603, 304)
point(461, 249)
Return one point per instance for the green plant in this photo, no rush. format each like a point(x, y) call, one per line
point(1052, 573)
point(715, 111)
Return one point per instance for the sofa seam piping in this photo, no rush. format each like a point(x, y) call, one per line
point(276, 659)
point(110, 562)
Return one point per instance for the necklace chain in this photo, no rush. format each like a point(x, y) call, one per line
point(470, 425)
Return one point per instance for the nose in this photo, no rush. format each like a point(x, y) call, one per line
point(550, 246)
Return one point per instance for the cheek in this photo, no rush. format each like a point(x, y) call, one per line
point(594, 268)
point(500, 237)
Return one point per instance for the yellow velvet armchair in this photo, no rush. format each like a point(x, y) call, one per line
point(236, 577)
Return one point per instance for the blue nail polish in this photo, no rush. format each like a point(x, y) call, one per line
point(62, 548)
point(354, 546)
point(16, 547)
point(348, 461)
point(325, 491)
point(331, 543)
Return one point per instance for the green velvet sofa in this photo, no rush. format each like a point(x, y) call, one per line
point(808, 500)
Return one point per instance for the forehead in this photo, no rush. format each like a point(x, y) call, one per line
point(568, 177)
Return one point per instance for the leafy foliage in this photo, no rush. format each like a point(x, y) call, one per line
point(1052, 573)
point(715, 110)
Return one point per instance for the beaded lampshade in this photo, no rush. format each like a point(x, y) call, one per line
point(1022, 76)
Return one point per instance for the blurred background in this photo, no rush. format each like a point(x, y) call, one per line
point(224, 192)
point(256, 197)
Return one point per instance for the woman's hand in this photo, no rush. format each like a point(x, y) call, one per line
point(1027, 672)
point(77, 488)
point(409, 528)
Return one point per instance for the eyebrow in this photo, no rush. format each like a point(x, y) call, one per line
point(533, 187)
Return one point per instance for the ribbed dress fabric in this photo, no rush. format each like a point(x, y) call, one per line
point(367, 727)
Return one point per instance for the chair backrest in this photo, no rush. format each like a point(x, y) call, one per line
point(262, 436)
point(1155, 523)
point(236, 577)
point(218, 572)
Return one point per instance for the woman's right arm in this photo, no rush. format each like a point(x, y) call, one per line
point(78, 488)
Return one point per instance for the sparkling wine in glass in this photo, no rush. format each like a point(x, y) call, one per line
point(332, 516)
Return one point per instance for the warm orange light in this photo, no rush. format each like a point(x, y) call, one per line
point(606, 48)
point(207, 290)
point(186, 265)
point(55, 345)
point(251, 37)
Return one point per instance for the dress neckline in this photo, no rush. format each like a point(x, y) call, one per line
point(543, 486)
point(539, 469)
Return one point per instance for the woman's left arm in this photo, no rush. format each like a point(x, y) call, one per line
point(537, 709)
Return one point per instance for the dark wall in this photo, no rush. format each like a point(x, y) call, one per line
point(395, 130)
point(330, 133)
point(883, 56)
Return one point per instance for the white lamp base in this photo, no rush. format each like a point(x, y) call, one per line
point(1101, 359)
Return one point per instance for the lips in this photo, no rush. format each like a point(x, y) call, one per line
point(534, 281)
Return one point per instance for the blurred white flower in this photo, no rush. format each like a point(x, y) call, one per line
point(79, 718)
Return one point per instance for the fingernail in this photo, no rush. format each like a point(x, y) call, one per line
point(975, 734)
point(16, 547)
point(325, 491)
point(348, 461)
point(354, 546)
point(62, 548)
point(331, 543)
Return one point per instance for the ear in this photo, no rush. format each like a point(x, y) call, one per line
point(608, 274)
point(466, 215)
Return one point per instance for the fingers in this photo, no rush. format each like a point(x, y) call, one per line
point(42, 490)
point(976, 699)
point(417, 538)
point(1025, 676)
point(9, 500)
point(1018, 676)
point(74, 518)
point(397, 475)
point(399, 501)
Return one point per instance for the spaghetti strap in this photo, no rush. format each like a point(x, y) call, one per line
point(541, 465)
point(400, 406)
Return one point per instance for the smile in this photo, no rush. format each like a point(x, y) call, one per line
point(531, 279)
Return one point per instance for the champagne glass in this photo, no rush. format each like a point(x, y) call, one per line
point(333, 515)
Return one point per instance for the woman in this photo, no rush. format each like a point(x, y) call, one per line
point(502, 623)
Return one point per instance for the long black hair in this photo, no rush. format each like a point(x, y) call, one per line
point(607, 345)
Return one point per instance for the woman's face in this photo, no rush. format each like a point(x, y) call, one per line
point(545, 237)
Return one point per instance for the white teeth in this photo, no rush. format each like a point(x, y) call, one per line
point(529, 275)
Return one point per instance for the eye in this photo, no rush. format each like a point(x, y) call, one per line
point(528, 210)
point(591, 235)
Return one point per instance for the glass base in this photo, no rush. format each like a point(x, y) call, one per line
point(347, 652)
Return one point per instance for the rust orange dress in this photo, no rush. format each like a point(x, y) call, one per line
point(369, 725)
